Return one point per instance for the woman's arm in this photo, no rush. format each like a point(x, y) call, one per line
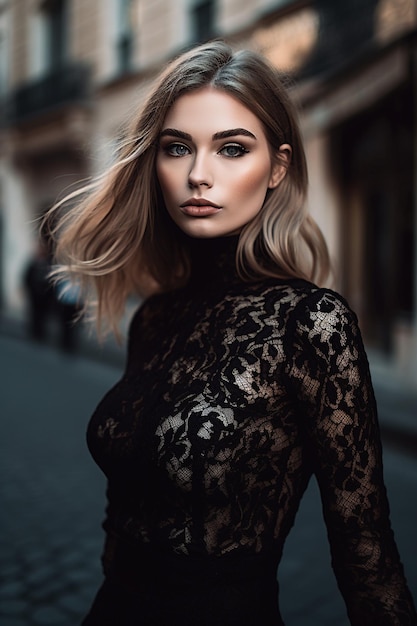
point(330, 373)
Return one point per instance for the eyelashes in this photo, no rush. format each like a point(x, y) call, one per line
point(233, 150)
point(176, 150)
point(229, 150)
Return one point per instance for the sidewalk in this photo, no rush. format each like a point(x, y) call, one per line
point(87, 345)
point(397, 402)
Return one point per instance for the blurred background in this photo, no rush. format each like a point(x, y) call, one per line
point(71, 72)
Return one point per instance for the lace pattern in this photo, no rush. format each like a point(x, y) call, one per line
point(234, 395)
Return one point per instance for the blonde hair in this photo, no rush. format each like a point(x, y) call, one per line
point(118, 238)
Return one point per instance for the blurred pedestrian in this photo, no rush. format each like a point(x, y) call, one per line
point(39, 292)
point(68, 307)
point(243, 377)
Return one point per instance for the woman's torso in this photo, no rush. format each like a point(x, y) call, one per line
point(201, 440)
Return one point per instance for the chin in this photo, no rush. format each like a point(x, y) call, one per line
point(204, 230)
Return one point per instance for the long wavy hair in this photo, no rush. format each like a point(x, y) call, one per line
point(115, 236)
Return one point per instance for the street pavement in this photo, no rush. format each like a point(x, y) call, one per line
point(52, 497)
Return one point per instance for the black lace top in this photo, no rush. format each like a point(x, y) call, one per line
point(234, 394)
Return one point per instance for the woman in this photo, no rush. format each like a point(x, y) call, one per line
point(243, 378)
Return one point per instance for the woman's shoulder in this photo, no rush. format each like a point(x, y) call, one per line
point(323, 319)
point(303, 295)
point(308, 306)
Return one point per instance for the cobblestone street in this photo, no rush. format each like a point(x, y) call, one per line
point(52, 494)
point(52, 500)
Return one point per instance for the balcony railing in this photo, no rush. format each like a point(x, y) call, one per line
point(66, 86)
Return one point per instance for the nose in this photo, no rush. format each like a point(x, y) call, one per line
point(200, 172)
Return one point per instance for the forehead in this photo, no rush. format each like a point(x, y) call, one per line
point(212, 110)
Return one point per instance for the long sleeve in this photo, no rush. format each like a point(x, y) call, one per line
point(329, 374)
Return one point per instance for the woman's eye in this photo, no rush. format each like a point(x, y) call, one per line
point(177, 150)
point(233, 150)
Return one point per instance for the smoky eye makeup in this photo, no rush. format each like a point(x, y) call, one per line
point(233, 150)
point(176, 149)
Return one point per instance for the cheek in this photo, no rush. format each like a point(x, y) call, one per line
point(162, 177)
point(168, 178)
point(168, 183)
point(252, 187)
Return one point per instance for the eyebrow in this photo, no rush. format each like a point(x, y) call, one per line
point(233, 132)
point(223, 134)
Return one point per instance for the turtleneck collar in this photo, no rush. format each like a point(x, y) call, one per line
point(213, 260)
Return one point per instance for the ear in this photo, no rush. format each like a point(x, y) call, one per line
point(280, 165)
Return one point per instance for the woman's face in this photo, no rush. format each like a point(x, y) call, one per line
point(214, 164)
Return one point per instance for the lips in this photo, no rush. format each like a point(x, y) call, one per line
point(199, 207)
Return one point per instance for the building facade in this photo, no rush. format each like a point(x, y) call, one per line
point(71, 71)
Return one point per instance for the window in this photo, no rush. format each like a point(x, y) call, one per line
point(124, 35)
point(3, 62)
point(4, 51)
point(50, 36)
point(202, 20)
